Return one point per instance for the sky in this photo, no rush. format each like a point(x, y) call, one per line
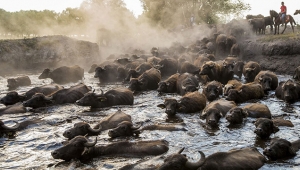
point(257, 6)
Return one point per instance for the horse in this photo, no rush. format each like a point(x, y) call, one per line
point(277, 21)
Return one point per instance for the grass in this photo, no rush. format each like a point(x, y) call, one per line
point(284, 36)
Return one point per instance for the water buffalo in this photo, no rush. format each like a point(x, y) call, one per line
point(257, 110)
point(169, 85)
point(118, 96)
point(124, 128)
point(235, 50)
point(246, 92)
point(12, 109)
point(227, 69)
point(187, 67)
point(213, 90)
point(139, 70)
point(203, 58)
point(265, 127)
point(250, 70)
point(281, 149)
point(258, 25)
point(13, 83)
point(186, 82)
point(153, 60)
point(267, 79)
point(167, 66)
point(215, 110)
point(13, 97)
point(80, 148)
point(147, 81)
point(63, 74)
point(212, 70)
point(238, 68)
point(109, 122)
point(288, 91)
point(70, 95)
point(246, 158)
point(107, 73)
point(296, 75)
point(232, 84)
point(189, 103)
point(236, 115)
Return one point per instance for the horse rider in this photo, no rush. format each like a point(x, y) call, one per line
point(283, 12)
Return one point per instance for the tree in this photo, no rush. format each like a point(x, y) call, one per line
point(170, 13)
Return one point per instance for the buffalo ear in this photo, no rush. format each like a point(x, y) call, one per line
point(244, 113)
point(203, 115)
point(275, 129)
point(162, 106)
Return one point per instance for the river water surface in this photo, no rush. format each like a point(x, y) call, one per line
point(31, 148)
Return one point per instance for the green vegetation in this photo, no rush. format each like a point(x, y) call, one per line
point(271, 38)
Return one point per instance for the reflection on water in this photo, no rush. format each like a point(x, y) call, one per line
point(31, 148)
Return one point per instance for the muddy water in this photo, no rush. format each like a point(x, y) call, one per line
point(31, 148)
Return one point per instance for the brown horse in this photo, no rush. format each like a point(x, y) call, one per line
point(277, 21)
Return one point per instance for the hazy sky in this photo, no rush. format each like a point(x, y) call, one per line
point(258, 6)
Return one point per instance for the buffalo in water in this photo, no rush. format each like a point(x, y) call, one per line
point(109, 122)
point(246, 158)
point(250, 70)
point(70, 95)
point(186, 82)
point(147, 81)
point(213, 90)
point(282, 149)
point(288, 91)
point(118, 96)
point(13, 83)
point(80, 148)
point(246, 92)
point(169, 85)
point(267, 79)
point(64, 74)
point(13, 96)
point(13, 109)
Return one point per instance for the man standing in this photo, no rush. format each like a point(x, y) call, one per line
point(283, 12)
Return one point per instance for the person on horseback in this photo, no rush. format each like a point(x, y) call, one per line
point(283, 12)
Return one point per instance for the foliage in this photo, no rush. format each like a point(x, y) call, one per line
point(170, 13)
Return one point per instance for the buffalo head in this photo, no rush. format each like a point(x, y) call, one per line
point(249, 74)
point(265, 82)
point(38, 100)
point(212, 116)
point(73, 149)
point(92, 99)
point(135, 84)
point(171, 106)
point(236, 115)
point(81, 129)
point(279, 149)
point(207, 68)
point(179, 161)
point(290, 91)
point(265, 127)
point(163, 86)
point(12, 98)
point(45, 74)
point(124, 128)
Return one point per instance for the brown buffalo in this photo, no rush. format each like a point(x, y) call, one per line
point(186, 82)
point(203, 58)
point(282, 149)
point(13, 97)
point(153, 60)
point(70, 95)
point(235, 50)
point(80, 148)
point(215, 110)
point(147, 81)
point(13, 83)
point(238, 68)
point(189, 103)
point(232, 84)
point(187, 67)
point(246, 158)
point(265, 127)
point(289, 91)
point(257, 110)
point(236, 115)
point(250, 70)
point(212, 90)
point(167, 66)
point(63, 74)
point(107, 73)
point(267, 79)
point(118, 96)
point(139, 70)
point(246, 92)
point(12, 109)
point(169, 85)
point(212, 70)
point(124, 128)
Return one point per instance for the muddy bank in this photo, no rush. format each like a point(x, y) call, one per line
point(281, 55)
point(50, 51)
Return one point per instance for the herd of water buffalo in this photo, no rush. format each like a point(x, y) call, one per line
point(212, 87)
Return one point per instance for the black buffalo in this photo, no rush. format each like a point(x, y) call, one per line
point(139, 70)
point(107, 73)
point(12, 109)
point(167, 66)
point(80, 148)
point(213, 90)
point(13, 83)
point(265, 127)
point(64, 74)
point(186, 82)
point(250, 70)
point(118, 96)
point(189, 103)
point(231, 84)
point(13, 96)
point(282, 149)
point(70, 95)
point(236, 116)
point(169, 85)
point(246, 92)
point(267, 79)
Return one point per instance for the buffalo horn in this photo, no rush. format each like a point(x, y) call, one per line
point(95, 130)
point(90, 144)
point(48, 98)
point(179, 152)
point(136, 128)
point(138, 70)
point(101, 91)
point(195, 165)
point(183, 87)
point(11, 128)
